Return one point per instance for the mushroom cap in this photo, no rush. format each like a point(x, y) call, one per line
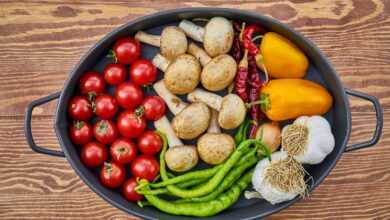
point(219, 73)
point(181, 158)
point(232, 112)
point(192, 121)
point(183, 74)
point(214, 148)
point(173, 42)
point(218, 37)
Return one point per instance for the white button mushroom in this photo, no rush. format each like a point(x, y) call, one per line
point(231, 108)
point(182, 75)
point(179, 157)
point(309, 139)
point(164, 126)
point(215, 147)
point(217, 35)
point(174, 103)
point(190, 121)
point(218, 73)
point(280, 180)
point(172, 42)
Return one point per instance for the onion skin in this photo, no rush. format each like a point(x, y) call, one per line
point(269, 133)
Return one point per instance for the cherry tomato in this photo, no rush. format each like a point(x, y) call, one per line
point(93, 154)
point(106, 106)
point(128, 190)
point(105, 131)
point(80, 108)
point(129, 95)
point(80, 132)
point(91, 82)
point(145, 167)
point(143, 72)
point(131, 124)
point(123, 151)
point(114, 73)
point(112, 175)
point(153, 107)
point(126, 50)
point(149, 143)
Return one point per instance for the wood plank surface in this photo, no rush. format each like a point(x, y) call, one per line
point(41, 41)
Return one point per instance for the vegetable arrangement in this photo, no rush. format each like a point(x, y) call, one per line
point(260, 76)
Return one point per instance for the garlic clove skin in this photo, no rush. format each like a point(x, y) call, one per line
point(320, 141)
point(266, 190)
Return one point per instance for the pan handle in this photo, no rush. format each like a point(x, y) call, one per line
point(27, 125)
point(379, 120)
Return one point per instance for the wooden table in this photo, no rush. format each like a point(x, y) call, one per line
point(41, 41)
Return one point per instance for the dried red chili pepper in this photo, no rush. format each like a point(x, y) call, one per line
point(237, 25)
point(236, 51)
point(240, 83)
point(255, 83)
point(247, 36)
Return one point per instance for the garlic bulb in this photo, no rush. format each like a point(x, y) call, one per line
point(309, 139)
point(280, 180)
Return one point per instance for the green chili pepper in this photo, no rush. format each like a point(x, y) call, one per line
point(199, 174)
point(244, 159)
point(251, 153)
point(227, 182)
point(163, 169)
point(158, 191)
point(241, 134)
point(218, 177)
point(203, 209)
point(171, 175)
point(247, 155)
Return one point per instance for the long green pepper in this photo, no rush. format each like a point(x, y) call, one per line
point(203, 209)
point(193, 182)
point(206, 173)
point(199, 174)
point(218, 177)
point(241, 134)
point(158, 191)
point(227, 182)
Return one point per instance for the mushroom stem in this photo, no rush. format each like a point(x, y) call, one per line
point(164, 126)
point(212, 100)
point(151, 39)
point(174, 103)
point(161, 62)
point(192, 30)
point(199, 54)
point(214, 126)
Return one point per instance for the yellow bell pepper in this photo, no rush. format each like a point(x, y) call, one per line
point(282, 58)
point(283, 99)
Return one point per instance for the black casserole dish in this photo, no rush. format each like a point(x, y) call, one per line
point(320, 71)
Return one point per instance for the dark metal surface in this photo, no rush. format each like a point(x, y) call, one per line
point(27, 126)
point(319, 71)
point(379, 120)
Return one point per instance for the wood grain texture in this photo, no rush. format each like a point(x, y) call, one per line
point(41, 41)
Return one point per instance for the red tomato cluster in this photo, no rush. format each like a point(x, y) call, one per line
point(120, 147)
